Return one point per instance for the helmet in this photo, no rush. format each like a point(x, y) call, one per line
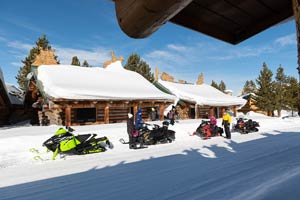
point(139, 112)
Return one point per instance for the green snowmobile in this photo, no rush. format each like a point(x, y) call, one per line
point(65, 142)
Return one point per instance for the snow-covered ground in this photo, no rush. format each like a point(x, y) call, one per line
point(262, 165)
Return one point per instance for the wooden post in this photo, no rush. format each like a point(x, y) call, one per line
point(222, 111)
point(135, 108)
point(211, 112)
point(196, 111)
point(297, 20)
point(68, 115)
point(234, 111)
point(106, 114)
point(161, 111)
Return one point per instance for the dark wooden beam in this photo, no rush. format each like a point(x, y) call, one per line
point(139, 19)
point(297, 20)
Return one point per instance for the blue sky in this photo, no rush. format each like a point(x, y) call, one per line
point(89, 30)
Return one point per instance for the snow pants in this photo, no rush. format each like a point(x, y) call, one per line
point(227, 130)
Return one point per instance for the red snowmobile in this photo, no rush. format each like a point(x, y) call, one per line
point(207, 130)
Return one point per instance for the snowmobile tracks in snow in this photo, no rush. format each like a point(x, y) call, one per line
point(38, 156)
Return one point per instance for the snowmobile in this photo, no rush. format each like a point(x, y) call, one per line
point(65, 142)
point(157, 134)
point(151, 134)
point(245, 126)
point(206, 130)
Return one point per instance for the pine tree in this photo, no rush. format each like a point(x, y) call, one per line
point(134, 63)
point(214, 84)
point(249, 87)
point(265, 91)
point(43, 43)
point(291, 93)
point(222, 86)
point(75, 61)
point(85, 64)
point(280, 87)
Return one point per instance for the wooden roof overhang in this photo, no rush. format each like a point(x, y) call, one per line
point(232, 21)
point(111, 102)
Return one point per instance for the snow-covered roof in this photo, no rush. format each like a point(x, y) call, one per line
point(15, 95)
point(201, 94)
point(246, 96)
point(113, 82)
point(3, 89)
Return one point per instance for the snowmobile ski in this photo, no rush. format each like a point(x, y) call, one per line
point(123, 141)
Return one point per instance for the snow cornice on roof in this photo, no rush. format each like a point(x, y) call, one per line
point(67, 82)
point(201, 94)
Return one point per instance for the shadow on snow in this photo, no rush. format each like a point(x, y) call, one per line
point(266, 168)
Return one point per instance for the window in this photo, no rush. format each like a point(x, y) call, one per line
point(86, 115)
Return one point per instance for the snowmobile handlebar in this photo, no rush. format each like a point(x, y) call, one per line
point(154, 126)
point(70, 129)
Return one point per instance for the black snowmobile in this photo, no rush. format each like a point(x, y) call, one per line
point(150, 134)
point(65, 142)
point(157, 134)
point(245, 126)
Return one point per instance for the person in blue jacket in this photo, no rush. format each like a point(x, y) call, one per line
point(138, 119)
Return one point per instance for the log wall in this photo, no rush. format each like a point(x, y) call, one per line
point(65, 113)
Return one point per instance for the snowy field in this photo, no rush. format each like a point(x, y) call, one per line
point(262, 165)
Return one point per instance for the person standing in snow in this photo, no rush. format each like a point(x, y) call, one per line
point(138, 119)
point(171, 115)
point(133, 134)
point(130, 129)
point(226, 123)
point(153, 114)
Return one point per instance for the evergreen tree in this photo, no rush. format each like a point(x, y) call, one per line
point(265, 91)
point(249, 87)
point(214, 84)
point(222, 86)
point(75, 61)
point(280, 87)
point(43, 43)
point(85, 64)
point(291, 93)
point(134, 63)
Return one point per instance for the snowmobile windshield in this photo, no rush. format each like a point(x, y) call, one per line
point(60, 131)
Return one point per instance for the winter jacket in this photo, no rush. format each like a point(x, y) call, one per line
point(226, 119)
point(138, 119)
point(171, 114)
point(213, 120)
